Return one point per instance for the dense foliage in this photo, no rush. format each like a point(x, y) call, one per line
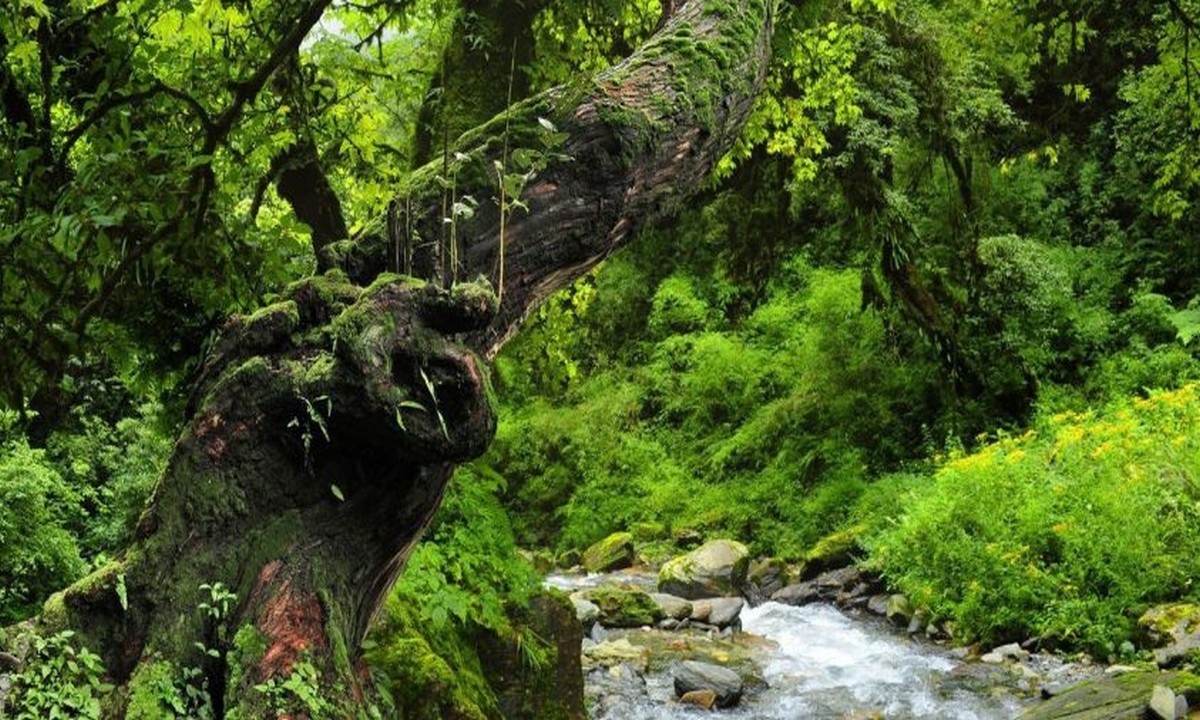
point(946, 291)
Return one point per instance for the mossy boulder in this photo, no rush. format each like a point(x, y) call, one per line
point(765, 577)
point(623, 606)
point(612, 553)
point(833, 551)
point(1174, 630)
point(1114, 698)
point(716, 568)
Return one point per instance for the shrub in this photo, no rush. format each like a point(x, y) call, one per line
point(37, 554)
point(1064, 532)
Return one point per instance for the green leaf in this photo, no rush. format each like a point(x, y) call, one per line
point(337, 493)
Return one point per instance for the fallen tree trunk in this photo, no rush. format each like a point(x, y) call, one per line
point(324, 427)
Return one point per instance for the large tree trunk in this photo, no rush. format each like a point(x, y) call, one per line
point(325, 427)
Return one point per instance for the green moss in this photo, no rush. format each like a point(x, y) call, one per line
point(624, 606)
point(249, 646)
point(612, 553)
point(150, 689)
point(836, 546)
point(271, 322)
point(54, 615)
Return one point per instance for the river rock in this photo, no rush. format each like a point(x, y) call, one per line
point(798, 594)
point(716, 568)
point(586, 610)
point(878, 604)
point(899, 610)
point(832, 552)
point(1174, 630)
point(724, 683)
point(1004, 653)
point(617, 652)
point(1113, 698)
point(706, 699)
point(672, 606)
point(611, 688)
point(725, 611)
point(1162, 703)
point(622, 606)
point(614, 552)
point(765, 577)
point(568, 559)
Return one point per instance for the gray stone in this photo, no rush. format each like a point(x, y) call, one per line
point(617, 652)
point(612, 553)
point(918, 622)
point(798, 594)
point(725, 611)
point(598, 633)
point(1115, 670)
point(878, 604)
point(672, 606)
point(1108, 698)
point(726, 684)
point(1011, 651)
point(586, 610)
point(1174, 630)
point(1181, 706)
point(1162, 703)
point(766, 577)
point(899, 610)
point(715, 568)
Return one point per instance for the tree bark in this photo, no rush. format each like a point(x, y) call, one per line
point(324, 427)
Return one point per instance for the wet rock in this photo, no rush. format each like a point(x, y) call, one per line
point(569, 558)
point(706, 699)
point(1113, 698)
point(725, 611)
point(1174, 630)
point(598, 633)
point(586, 611)
point(832, 552)
point(863, 715)
point(614, 552)
point(716, 568)
point(899, 610)
point(622, 606)
point(1005, 653)
point(609, 688)
point(724, 683)
point(978, 678)
point(672, 606)
point(765, 577)
point(918, 622)
point(878, 605)
point(836, 581)
point(617, 652)
point(798, 594)
point(687, 537)
point(1115, 670)
point(1162, 703)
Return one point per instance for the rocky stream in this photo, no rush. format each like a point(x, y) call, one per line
point(710, 631)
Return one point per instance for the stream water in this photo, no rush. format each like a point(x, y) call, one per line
point(823, 664)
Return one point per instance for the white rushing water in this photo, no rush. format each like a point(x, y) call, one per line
point(829, 666)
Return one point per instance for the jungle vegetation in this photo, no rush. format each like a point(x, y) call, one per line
point(939, 286)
